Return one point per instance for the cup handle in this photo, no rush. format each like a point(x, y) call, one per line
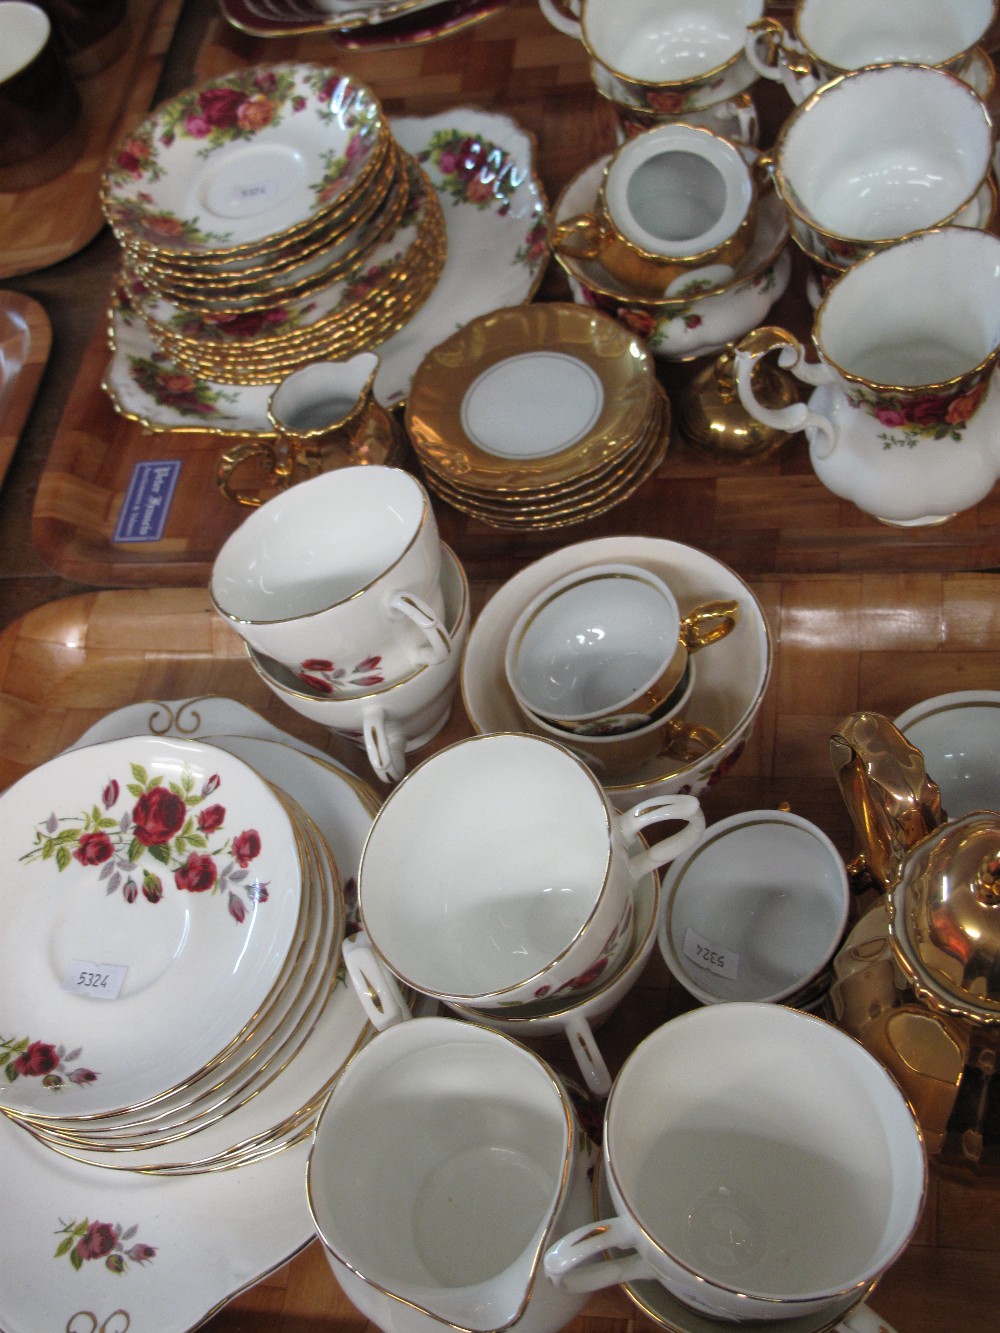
point(577, 1262)
point(864, 1320)
point(791, 355)
point(656, 809)
point(708, 623)
point(776, 56)
point(374, 985)
point(580, 237)
point(587, 1054)
point(384, 746)
point(427, 621)
point(567, 23)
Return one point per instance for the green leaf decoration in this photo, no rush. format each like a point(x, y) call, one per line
point(63, 1247)
point(139, 773)
point(135, 850)
point(63, 857)
point(75, 1260)
point(160, 852)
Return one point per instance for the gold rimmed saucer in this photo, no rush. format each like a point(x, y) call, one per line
point(530, 395)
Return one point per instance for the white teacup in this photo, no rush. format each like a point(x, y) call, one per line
point(756, 910)
point(668, 56)
point(339, 579)
point(604, 650)
point(395, 719)
point(849, 191)
point(959, 736)
point(498, 873)
point(761, 1165)
point(675, 198)
point(851, 34)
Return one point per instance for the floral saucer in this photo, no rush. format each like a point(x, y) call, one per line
point(427, 21)
point(187, 1244)
point(496, 215)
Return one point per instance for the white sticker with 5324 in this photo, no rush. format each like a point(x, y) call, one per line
point(723, 962)
point(98, 981)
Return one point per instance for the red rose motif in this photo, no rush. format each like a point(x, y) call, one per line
point(157, 816)
point(316, 683)
point(93, 849)
point(37, 1059)
point(317, 664)
point(81, 1077)
point(471, 157)
point(152, 886)
point(141, 1254)
point(197, 874)
point(960, 409)
point(110, 794)
point(590, 976)
point(220, 106)
point(246, 846)
point(928, 411)
point(211, 818)
point(100, 1239)
point(237, 909)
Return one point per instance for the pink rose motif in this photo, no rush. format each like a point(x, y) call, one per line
point(220, 106)
point(93, 849)
point(210, 785)
point(266, 81)
point(158, 815)
point(100, 1239)
point(110, 794)
point(141, 1254)
point(130, 891)
point(211, 818)
point(197, 874)
point(255, 113)
point(81, 1077)
point(36, 1060)
point(237, 909)
point(197, 127)
point(890, 416)
point(246, 846)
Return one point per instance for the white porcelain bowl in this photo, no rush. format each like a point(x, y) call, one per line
point(731, 679)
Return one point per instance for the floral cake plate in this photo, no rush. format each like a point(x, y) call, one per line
point(187, 1244)
point(496, 215)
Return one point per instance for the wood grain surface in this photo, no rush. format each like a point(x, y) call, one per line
point(770, 516)
point(25, 339)
point(40, 227)
point(881, 641)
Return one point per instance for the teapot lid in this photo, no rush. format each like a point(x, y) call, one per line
point(945, 920)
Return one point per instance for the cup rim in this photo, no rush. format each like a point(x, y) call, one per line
point(826, 63)
point(293, 497)
point(790, 197)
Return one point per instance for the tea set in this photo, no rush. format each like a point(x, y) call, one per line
point(512, 885)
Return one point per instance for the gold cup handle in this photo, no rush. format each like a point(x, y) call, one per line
point(760, 342)
point(580, 237)
point(278, 467)
point(708, 623)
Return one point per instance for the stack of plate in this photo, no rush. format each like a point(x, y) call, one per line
point(174, 933)
point(269, 218)
point(539, 416)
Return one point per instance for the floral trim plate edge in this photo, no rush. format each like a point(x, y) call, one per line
point(496, 214)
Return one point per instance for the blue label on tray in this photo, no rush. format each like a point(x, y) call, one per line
point(147, 504)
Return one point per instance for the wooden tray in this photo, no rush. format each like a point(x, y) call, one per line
point(25, 339)
point(841, 642)
point(42, 226)
point(774, 516)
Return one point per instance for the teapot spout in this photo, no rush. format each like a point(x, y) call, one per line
point(892, 802)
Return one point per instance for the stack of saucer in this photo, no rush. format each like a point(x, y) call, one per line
point(268, 219)
point(540, 415)
point(175, 938)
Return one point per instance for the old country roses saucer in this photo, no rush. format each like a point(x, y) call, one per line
point(152, 889)
point(243, 158)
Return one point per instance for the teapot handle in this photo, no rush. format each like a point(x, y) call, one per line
point(791, 356)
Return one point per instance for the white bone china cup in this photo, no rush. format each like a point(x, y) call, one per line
point(605, 650)
point(826, 40)
point(498, 872)
point(761, 1165)
point(392, 720)
point(756, 910)
point(340, 578)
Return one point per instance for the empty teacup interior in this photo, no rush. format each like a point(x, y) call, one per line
point(678, 190)
point(854, 33)
point(756, 911)
point(24, 30)
point(596, 643)
point(928, 159)
point(666, 41)
point(438, 1165)
point(318, 544)
point(766, 1154)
